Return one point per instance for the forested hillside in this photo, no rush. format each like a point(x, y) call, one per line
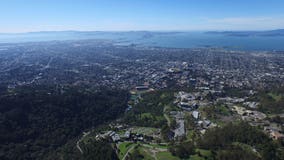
point(35, 121)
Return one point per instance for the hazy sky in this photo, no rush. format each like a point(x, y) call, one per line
point(117, 15)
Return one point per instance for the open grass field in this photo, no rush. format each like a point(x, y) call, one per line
point(196, 157)
point(124, 147)
point(144, 130)
point(166, 156)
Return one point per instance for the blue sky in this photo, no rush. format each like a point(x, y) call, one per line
point(122, 15)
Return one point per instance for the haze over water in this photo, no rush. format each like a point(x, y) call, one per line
point(158, 39)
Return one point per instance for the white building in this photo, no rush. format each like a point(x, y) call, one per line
point(195, 114)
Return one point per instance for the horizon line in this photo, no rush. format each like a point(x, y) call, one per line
point(223, 30)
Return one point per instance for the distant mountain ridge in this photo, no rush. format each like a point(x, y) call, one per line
point(250, 40)
point(78, 35)
point(271, 33)
point(93, 32)
point(277, 32)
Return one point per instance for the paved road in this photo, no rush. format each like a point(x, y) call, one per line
point(128, 152)
point(78, 147)
point(78, 142)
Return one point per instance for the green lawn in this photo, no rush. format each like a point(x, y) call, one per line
point(144, 130)
point(124, 147)
point(146, 153)
point(166, 156)
point(159, 146)
point(196, 157)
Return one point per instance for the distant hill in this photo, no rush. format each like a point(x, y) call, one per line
point(271, 33)
point(78, 35)
point(94, 32)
